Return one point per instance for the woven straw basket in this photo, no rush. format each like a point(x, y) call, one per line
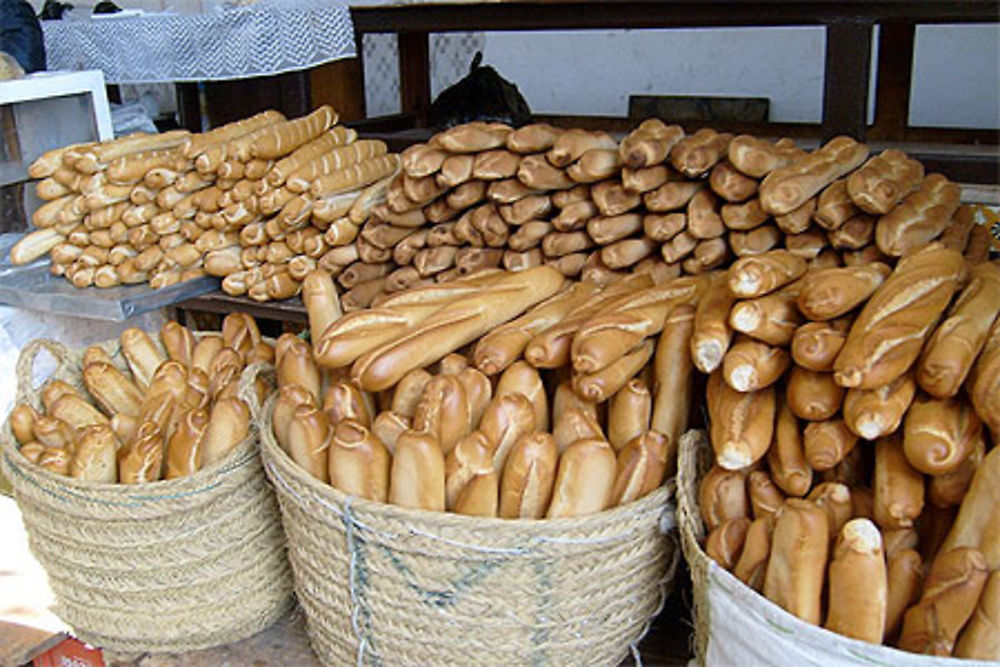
point(382, 584)
point(166, 566)
point(736, 625)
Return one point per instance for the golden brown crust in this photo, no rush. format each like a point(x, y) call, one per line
point(797, 566)
point(741, 424)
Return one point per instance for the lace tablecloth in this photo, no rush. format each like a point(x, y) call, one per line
point(266, 38)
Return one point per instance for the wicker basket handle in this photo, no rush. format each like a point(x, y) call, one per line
point(26, 364)
point(246, 390)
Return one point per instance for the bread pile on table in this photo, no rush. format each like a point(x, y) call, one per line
point(251, 198)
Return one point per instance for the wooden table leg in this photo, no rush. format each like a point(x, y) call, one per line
point(845, 89)
point(415, 75)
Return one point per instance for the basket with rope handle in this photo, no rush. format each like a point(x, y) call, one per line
point(382, 584)
point(165, 566)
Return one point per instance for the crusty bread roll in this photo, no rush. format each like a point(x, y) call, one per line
point(571, 144)
point(533, 138)
point(54, 390)
point(417, 479)
point(641, 467)
point(711, 335)
point(882, 182)
point(827, 442)
point(980, 640)
point(358, 461)
point(758, 157)
point(905, 570)
point(75, 411)
point(751, 365)
point(874, 413)
point(815, 345)
point(983, 384)
point(480, 497)
point(697, 153)
point(830, 293)
point(741, 424)
point(471, 457)
point(671, 196)
point(725, 543)
point(949, 489)
point(94, 458)
point(796, 568)
point(342, 401)
point(858, 583)
point(142, 355)
point(953, 585)
point(649, 144)
point(53, 432)
point(834, 498)
point(752, 563)
point(112, 390)
point(888, 334)
point(528, 477)
point(574, 422)
point(722, 495)
point(141, 460)
point(22, 423)
point(765, 497)
point(184, 449)
point(443, 412)
point(812, 396)
point(786, 458)
point(920, 218)
point(758, 275)
point(898, 487)
point(409, 390)
point(949, 355)
point(602, 385)
point(507, 419)
point(786, 188)
point(229, 425)
point(294, 365)
point(939, 435)
point(673, 370)
point(978, 521)
point(584, 480)
point(178, 341)
point(519, 378)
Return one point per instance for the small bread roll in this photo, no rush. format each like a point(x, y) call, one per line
point(95, 458)
point(629, 413)
point(178, 341)
point(296, 366)
point(858, 583)
point(358, 462)
point(949, 489)
point(22, 423)
point(905, 579)
point(76, 412)
point(480, 497)
point(752, 563)
point(240, 332)
point(114, 392)
point(32, 451)
point(409, 390)
point(875, 413)
point(898, 487)
point(388, 426)
point(224, 372)
point(980, 640)
point(725, 543)
point(142, 459)
point(834, 499)
point(53, 432)
point(443, 412)
point(507, 419)
point(815, 345)
point(417, 478)
point(786, 458)
point(342, 401)
point(584, 480)
point(826, 443)
point(812, 396)
point(722, 495)
point(142, 355)
point(289, 398)
point(472, 456)
point(751, 365)
point(741, 424)
point(602, 385)
point(522, 378)
point(939, 435)
point(55, 459)
point(528, 477)
point(96, 354)
point(797, 566)
point(185, 452)
point(953, 585)
point(205, 351)
point(641, 467)
point(229, 425)
point(765, 497)
point(574, 424)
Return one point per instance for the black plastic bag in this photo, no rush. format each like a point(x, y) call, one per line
point(21, 35)
point(482, 95)
point(53, 10)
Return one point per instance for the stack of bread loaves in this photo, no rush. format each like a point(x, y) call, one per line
point(470, 395)
point(165, 416)
point(851, 411)
point(252, 198)
point(485, 195)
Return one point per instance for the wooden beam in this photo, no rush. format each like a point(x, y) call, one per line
point(894, 78)
point(415, 75)
point(845, 82)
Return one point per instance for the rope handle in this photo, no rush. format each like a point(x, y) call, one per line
point(246, 391)
point(26, 364)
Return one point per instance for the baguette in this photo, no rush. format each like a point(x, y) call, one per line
point(574, 423)
point(533, 138)
point(114, 392)
point(657, 227)
point(939, 435)
point(284, 137)
point(953, 585)
point(808, 244)
point(420, 160)
point(472, 137)
point(507, 419)
point(829, 293)
point(584, 480)
point(359, 463)
point(184, 449)
point(194, 144)
point(827, 443)
point(724, 545)
point(772, 318)
point(443, 412)
point(951, 351)
point(743, 217)
point(980, 639)
point(417, 477)
point(528, 477)
point(576, 216)
point(205, 351)
point(898, 488)
point(602, 385)
point(759, 157)
point(741, 424)
point(796, 568)
point(765, 497)
point(538, 174)
point(813, 396)
point(141, 461)
point(322, 305)
point(858, 583)
point(358, 175)
point(815, 345)
point(409, 390)
point(641, 467)
point(888, 334)
point(978, 521)
point(758, 275)
point(671, 196)
point(920, 218)
point(697, 153)
point(462, 321)
point(786, 188)
point(752, 563)
point(142, 355)
point(834, 206)
point(786, 458)
point(336, 158)
point(751, 365)
point(703, 220)
point(649, 144)
point(882, 182)
point(33, 245)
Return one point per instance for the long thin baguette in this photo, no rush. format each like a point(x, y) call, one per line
point(355, 176)
point(335, 159)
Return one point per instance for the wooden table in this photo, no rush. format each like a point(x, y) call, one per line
point(848, 26)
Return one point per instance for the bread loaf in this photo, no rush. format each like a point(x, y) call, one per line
point(696, 154)
point(830, 293)
point(858, 583)
point(725, 543)
point(758, 275)
point(888, 334)
point(898, 488)
point(533, 138)
point(980, 639)
point(528, 477)
point(759, 157)
point(882, 182)
point(417, 476)
point(786, 188)
point(750, 365)
point(649, 144)
point(741, 424)
point(584, 480)
point(978, 521)
point(796, 568)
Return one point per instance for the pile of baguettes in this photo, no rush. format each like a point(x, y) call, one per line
point(851, 411)
point(166, 416)
point(485, 195)
point(250, 201)
point(439, 399)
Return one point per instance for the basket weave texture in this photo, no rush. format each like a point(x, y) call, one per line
point(381, 584)
point(167, 566)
